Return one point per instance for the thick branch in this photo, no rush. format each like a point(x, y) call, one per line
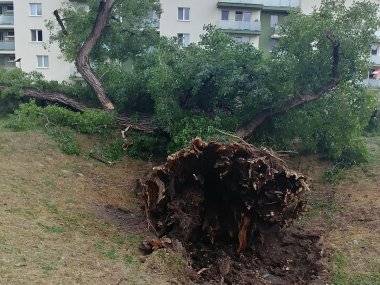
point(54, 98)
point(249, 129)
point(261, 118)
point(51, 97)
point(82, 61)
point(60, 22)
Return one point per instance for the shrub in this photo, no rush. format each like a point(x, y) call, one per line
point(145, 146)
point(66, 140)
point(88, 122)
point(332, 127)
point(110, 150)
point(60, 124)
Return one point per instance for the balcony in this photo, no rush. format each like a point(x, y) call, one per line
point(375, 59)
point(7, 46)
point(7, 19)
point(260, 4)
point(372, 83)
point(241, 27)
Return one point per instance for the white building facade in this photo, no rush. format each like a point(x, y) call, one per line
point(244, 20)
point(24, 38)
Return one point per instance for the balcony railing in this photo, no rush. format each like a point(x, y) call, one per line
point(375, 59)
point(265, 3)
point(7, 46)
point(372, 83)
point(7, 20)
point(253, 27)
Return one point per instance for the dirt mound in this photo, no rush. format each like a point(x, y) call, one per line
point(228, 204)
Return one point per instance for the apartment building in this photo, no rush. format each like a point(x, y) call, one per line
point(24, 38)
point(249, 21)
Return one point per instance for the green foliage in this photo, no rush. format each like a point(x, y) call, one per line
point(110, 150)
point(145, 146)
point(60, 124)
point(374, 123)
point(185, 130)
point(218, 83)
point(30, 115)
point(332, 126)
point(66, 140)
point(128, 32)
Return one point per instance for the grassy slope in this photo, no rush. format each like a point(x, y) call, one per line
point(50, 230)
point(54, 228)
point(348, 214)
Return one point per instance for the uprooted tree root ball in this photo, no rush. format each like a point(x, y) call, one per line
point(227, 204)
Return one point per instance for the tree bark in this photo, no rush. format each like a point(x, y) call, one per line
point(82, 61)
point(52, 97)
point(60, 22)
point(248, 130)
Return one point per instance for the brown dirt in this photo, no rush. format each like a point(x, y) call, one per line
point(215, 197)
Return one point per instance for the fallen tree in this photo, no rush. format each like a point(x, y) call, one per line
point(50, 97)
point(82, 60)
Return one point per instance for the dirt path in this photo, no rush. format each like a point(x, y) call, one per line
point(61, 217)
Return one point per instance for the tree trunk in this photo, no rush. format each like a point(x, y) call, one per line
point(82, 61)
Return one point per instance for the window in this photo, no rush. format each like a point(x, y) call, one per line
point(273, 21)
point(241, 39)
point(36, 35)
point(183, 14)
point(225, 15)
point(35, 9)
point(183, 39)
point(238, 16)
point(273, 44)
point(247, 16)
point(374, 50)
point(42, 61)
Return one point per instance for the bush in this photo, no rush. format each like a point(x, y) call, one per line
point(144, 146)
point(60, 124)
point(66, 140)
point(30, 115)
point(332, 127)
point(110, 151)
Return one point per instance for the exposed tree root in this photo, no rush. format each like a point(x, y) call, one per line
point(223, 193)
point(228, 204)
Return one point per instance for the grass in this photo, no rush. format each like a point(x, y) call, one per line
point(347, 211)
point(51, 231)
point(342, 275)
